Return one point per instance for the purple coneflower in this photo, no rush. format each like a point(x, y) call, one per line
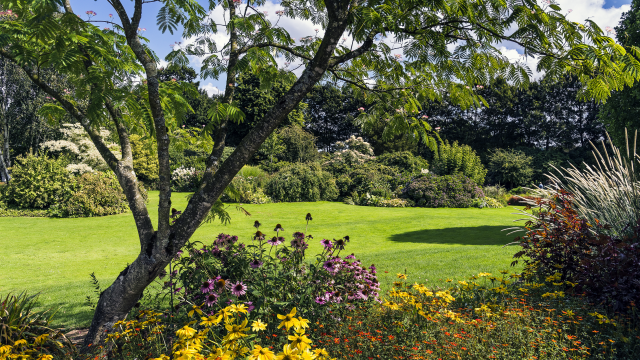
point(207, 286)
point(329, 266)
point(275, 241)
point(298, 235)
point(238, 289)
point(255, 264)
point(349, 257)
point(321, 300)
point(278, 228)
point(326, 243)
point(211, 299)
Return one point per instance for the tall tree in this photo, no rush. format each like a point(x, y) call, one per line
point(103, 64)
point(331, 111)
point(622, 110)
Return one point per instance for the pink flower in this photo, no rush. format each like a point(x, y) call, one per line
point(265, 13)
point(570, 11)
point(91, 13)
point(360, 109)
point(238, 289)
point(438, 128)
point(106, 28)
point(110, 15)
point(425, 117)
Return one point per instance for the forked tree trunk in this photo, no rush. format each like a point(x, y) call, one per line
point(157, 250)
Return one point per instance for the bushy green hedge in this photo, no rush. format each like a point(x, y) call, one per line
point(455, 191)
point(38, 182)
point(451, 159)
point(98, 194)
point(302, 182)
point(404, 161)
point(510, 168)
point(371, 178)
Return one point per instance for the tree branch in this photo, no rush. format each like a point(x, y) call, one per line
point(276, 45)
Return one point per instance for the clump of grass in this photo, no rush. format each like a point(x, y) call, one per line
point(607, 192)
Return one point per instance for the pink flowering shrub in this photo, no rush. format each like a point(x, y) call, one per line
point(271, 273)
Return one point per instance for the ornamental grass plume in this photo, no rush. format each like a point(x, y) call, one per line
point(609, 191)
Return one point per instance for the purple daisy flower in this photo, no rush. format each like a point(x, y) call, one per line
point(211, 299)
point(327, 244)
point(329, 266)
point(238, 289)
point(321, 300)
point(255, 264)
point(298, 235)
point(349, 257)
point(275, 241)
point(207, 286)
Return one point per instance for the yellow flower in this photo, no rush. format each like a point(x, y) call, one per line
point(300, 341)
point(391, 305)
point(302, 324)
point(195, 309)
point(211, 320)
point(162, 357)
point(261, 353)
point(307, 355)
point(220, 354)
point(321, 353)
point(288, 353)
point(186, 332)
point(236, 331)
point(45, 357)
point(402, 276)
point(238, 308)
point(41, 339)
point(258, 325)
point(288, 320)
point(21, 342)
point(484, 274)
point(5, 349)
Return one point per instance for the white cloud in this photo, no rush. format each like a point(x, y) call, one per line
point(210, 89)
point(593, 10)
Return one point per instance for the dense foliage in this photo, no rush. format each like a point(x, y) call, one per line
point(97, 194)
point(39, 182)
point(302, 182)
point(510, 168)
point(564, 248)
point(456, 191)
point(451, 159)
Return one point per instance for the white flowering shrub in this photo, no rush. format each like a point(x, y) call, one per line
point(353, 151)
point(79, 169)
point(80, 149)
point(185, 179)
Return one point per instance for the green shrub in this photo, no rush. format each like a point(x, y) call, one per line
point(299, 145)
point(458, 159)
point(371, 178)
point(511, 168)
point(38, 182)
point(302, 182)
point(404, 161)
point(454, 191)
point(98, 194)
point(248, 186)
point(487, 202)
point(145, 160)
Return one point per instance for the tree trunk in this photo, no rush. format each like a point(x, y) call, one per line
point(4, 172)
point(117, 300)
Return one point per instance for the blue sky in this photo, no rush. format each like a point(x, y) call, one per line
point(603, 12)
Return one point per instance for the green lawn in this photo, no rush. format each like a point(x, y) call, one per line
point(56, 256)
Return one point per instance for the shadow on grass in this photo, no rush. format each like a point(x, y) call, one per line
point(479, 235)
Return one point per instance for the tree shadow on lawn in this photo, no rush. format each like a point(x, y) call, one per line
point(479, 235)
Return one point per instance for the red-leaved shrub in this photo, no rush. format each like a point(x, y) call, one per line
point(583, 259)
